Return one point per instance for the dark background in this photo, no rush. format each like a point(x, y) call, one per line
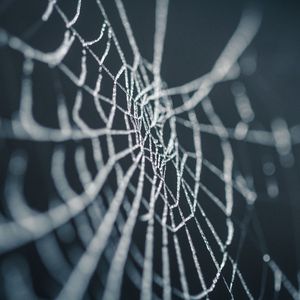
point(197, 31)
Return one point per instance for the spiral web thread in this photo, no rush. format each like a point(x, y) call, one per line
point(105, 217)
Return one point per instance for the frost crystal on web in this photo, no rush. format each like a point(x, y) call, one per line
point(114, 182)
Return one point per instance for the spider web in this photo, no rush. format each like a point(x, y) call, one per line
point(145, 191)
